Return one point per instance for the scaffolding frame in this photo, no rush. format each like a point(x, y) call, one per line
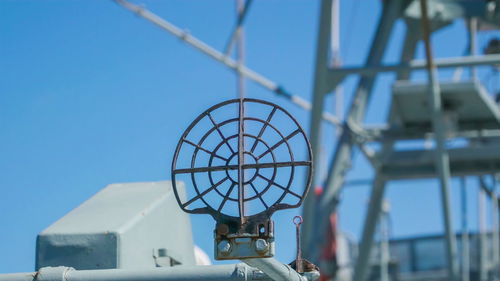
point(317, 209)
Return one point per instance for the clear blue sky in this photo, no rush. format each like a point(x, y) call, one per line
point(91, 95)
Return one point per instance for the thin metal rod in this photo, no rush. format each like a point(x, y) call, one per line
point(238, 28)
point(241, 163)
point(472, 25)
point(244, 166)
point(240, 88)
point(299, 264)
point(465, 231)
point(227, 61)
point(442, 160)
point(417, 65)
point(495, 229)
point(483, 236)
point(240, 47)
point(336, 58)
point(385, 255)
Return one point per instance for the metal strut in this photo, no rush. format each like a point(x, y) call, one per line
point(442, 160)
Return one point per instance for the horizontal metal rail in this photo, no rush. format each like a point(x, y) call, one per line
point(236, 272)
point(417, 65)
point(233, 272)
point(257, 269)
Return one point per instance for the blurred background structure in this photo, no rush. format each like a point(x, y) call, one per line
point(403, 116)
point(431, 114)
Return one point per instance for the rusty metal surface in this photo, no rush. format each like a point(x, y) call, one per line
point(215, 147)
point(297, 220)
point(201, 192)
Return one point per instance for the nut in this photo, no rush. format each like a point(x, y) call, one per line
point(261, 246)
point(224, 247)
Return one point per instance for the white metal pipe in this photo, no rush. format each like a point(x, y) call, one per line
point(236, 272)
point(27, 276)
point(266, 269)
point(275, 269)
point(218, 272)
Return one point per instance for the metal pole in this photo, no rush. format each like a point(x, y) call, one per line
point(483, 235)
point(465, 232)
point(227, 61)
point(442, 161)
point(496, 225)
point(261, 269)
point(412, 37)
point(309, 205)
point(384, 242)
point(472, 29)
point(361, 268)
point(234, 272)
point(472, 24)
point(372, 70)
point(238, 29)
point(490, 256)
point(274, 269)
point(240, 83)
point(336, 59)
point(240, 49)
point(495, 228)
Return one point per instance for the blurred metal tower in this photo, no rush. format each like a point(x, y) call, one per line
point(419, 111)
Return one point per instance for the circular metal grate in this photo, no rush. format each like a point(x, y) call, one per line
point(240, 166)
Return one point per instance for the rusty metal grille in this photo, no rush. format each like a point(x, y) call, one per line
point(240, 164)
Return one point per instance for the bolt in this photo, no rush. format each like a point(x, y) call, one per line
point(261, 246)
point(224, 247)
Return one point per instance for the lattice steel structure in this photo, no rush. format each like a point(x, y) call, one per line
point(445, 112)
